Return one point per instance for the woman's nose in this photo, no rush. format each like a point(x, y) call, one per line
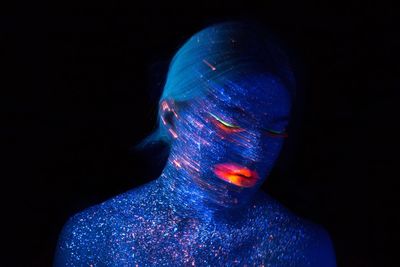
point(251, 149)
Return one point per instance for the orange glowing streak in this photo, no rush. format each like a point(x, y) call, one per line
point(227, 127)
point(177, 164)
point(165, 106)
point(208, 64)
point(230, 130)
point(173, 133)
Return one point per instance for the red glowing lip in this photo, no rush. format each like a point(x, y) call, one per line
point(236, 174)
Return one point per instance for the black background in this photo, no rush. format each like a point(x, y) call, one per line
point(81, 83)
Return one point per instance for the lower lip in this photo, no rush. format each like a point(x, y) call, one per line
point(236, 174)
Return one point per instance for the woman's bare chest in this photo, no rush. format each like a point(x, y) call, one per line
point(188, 242)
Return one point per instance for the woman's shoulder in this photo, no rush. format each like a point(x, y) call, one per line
point(86, 233)
point(309, 240)
point(82, 237)
point(121, 205)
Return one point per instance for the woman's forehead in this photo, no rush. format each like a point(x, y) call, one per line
point(255, 97)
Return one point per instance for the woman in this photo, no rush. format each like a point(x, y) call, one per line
point(224, 111)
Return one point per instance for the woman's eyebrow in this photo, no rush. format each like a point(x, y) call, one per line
point(239, 110)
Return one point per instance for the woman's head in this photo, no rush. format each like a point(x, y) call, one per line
point(225, 107)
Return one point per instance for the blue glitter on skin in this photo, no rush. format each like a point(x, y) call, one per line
point(226, 87)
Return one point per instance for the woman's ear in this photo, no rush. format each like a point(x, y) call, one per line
point(168, 115)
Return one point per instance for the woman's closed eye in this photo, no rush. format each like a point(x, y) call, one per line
point(231, 128)
point(274, 133)
point(226, 126)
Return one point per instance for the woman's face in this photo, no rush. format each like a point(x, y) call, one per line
point(230, 139)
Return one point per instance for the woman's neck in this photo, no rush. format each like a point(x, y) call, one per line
point(190, 199)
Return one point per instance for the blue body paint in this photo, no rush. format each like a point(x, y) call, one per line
point(224, 112)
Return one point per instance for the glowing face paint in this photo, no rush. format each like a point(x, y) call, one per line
point(225, 125)
point(223, 146)
point(208, 64)
point(274, 133)
point(204, 209)
point(236, 174)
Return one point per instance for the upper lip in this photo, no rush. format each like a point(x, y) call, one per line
point(236, 174)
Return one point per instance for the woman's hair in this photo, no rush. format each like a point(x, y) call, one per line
point(221, 50)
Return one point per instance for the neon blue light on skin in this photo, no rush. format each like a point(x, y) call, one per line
point(189, 216)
